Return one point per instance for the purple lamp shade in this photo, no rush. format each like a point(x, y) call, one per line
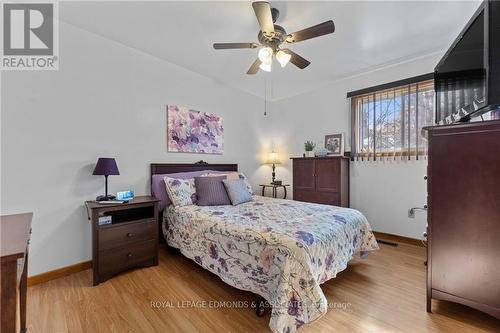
point(105, 167)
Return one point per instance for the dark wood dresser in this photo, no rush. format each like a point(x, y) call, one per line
point(463, 184)
point(323, 180)
point(15, 231)
point(130, 240)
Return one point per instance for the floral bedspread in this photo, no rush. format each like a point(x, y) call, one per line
point(280, 249)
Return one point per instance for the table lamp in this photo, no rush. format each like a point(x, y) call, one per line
point(106, 167)
point(273, 159)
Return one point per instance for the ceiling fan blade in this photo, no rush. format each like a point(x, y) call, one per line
point(321, 29)
point(225, 46)
point(297, 60)
point(262, 10)
point(255, 67)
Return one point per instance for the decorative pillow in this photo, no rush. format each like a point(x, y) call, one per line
point(159, 189)
point(237, 191)
point(247, 183)
point(229, 175)
point(211, 191)
point(182, 192)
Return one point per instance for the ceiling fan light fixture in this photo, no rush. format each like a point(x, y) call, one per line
point(283, 58)
point(266, 67)
point(272, 37)
point(266, 55)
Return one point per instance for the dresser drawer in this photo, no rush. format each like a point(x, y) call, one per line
point(324, 198)
point(118, 259)
point(119, 235)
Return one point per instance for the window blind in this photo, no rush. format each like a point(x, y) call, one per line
point(387, 123)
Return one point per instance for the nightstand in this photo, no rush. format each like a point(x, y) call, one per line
point(124, 236)
point(274, 187)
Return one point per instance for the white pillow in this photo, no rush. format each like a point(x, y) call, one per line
point(182, 192)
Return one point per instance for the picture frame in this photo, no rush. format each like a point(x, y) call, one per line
point(192, 131)
point(334, 143)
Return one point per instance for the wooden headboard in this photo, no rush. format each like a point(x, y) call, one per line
point(164, 168)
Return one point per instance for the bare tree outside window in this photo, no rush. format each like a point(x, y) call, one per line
point(388, 123)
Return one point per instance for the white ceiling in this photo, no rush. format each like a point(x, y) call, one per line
point(368, 34)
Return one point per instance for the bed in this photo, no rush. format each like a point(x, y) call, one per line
point(279, 249)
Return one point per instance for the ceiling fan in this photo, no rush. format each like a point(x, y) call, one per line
point(271, 36)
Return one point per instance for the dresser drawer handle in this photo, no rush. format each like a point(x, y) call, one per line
point(129, 235)
point(129, 255)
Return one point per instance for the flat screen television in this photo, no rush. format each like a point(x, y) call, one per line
point(460, 78)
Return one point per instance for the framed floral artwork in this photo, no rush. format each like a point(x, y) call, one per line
point(334, 143)
point(190, 131)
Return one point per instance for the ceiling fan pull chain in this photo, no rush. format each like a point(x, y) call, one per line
point(265, 97)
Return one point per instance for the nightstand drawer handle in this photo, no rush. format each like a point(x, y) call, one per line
point(129, 235)
point(129, 255)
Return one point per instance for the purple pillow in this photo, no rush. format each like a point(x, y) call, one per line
point(211, 191)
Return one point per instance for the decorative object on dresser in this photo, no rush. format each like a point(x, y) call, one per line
point(323, 180)
point(15, 232)
point(320, 152)
point(275, 189)
point(334, 144)
point(273, 160)
point(309, 147)
point(190, 131)
point(106, 167)
point(123, 236)
point(463, 237)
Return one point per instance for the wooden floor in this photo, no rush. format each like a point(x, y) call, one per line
point(385, 293)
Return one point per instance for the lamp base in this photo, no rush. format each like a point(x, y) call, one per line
point(105, 197)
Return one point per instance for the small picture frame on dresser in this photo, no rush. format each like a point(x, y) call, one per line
point(334, 143)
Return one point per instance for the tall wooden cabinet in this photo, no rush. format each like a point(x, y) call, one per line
point(323, 180)
point(463, 231)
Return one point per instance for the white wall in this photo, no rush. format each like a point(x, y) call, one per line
point(383, 191)
point(106, 100)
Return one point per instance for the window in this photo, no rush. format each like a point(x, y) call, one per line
point(388, 122)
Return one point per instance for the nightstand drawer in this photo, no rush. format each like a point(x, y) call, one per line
point(131, 241)
point(118, 259)
point(119, 235)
